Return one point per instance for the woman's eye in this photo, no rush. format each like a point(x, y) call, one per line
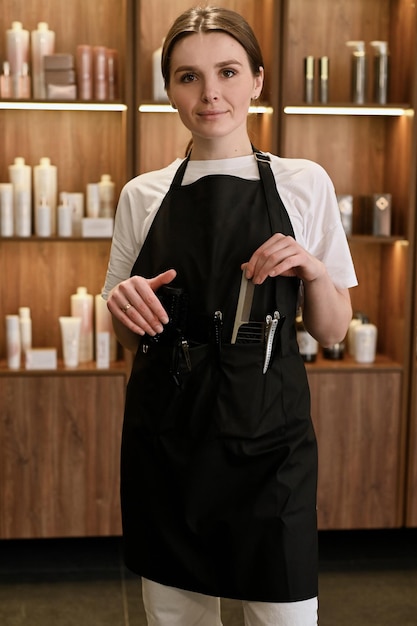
point(228, 73)
point(187, 78)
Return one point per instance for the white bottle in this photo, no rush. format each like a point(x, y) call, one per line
point(159, 94)
point(17, 52)
point(20, 176)
point(13, 345)
point(42, 44)
point(6, 90)
point(6, 210)
point(351, 335)
point(45, 186)
point(104, 324)
point(43, 219)
point(107, 194)
point(93, 200)
point(25, 326)
point(365, 342)
point(82, 306)
point(64, 218)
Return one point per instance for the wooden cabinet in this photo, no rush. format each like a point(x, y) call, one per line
point(60, 431)
point(59, 464)
point(362, 415)
point(361, 449)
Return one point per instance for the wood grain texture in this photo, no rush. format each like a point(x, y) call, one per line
point(42, 275)
point(59, 467)
point(356, 417)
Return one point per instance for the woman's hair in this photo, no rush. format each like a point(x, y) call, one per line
point(205, 20)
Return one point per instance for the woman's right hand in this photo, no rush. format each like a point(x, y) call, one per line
point(133, 303)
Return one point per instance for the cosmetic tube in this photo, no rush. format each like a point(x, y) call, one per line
point(70, 332)
point(84, 66)
point(93, 200)
point(17, 52)
point(100, 73)
point(104, 324)
point(6, 81)
point(45, 188)
point(13, 344)
point(42, 44)
point(107, 196)
point(25, 325)
point(380, 71)
point(324, 80)
point(82, 307)
point(6, 210)
point(20, 176)
point(309, 79)
point(365, 342)
point(358, 71)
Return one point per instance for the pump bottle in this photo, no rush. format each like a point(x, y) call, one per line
point(20, 176)
point(106, 193)
point(380, 71)
point(25, 325)
point(82, 306)
point(45, 179)
point(13, 344)
point(308, 346)
point(17, 51)
point(42, 44)
point(358, 71)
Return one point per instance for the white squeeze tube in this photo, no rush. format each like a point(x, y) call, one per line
point(25, 324)
point(82, 307)
point(6, 210)
point(13, 342)
point(70, 332)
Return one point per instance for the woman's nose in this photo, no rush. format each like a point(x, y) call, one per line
point(209, 92)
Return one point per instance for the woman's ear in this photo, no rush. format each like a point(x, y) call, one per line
point(258, 83)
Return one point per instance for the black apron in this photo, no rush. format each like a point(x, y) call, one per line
point(219, 462)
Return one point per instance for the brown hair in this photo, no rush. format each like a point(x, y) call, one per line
point(205, 20)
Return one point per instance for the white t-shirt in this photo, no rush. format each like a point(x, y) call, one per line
point(305, 189)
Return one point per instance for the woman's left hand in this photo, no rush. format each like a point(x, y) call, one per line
point(281, 255)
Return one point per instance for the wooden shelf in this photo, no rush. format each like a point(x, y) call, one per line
point(348, 364)
point(117, 368)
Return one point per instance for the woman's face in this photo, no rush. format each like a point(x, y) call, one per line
point(211, 85)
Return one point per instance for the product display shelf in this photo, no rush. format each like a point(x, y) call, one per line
point(60, 429)
point(116, 368)
point(360, 411)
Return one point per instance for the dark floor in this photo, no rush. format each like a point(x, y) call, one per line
point(367, 578)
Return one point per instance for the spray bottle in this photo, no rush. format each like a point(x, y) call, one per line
point(380, 71)
point(358, 71)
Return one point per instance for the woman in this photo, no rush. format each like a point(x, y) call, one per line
point(219, 462)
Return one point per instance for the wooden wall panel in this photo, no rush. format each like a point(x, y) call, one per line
point(59, 467)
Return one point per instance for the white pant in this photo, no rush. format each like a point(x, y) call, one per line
point(168, 606)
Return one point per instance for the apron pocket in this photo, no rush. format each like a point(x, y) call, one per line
point(248, 402)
